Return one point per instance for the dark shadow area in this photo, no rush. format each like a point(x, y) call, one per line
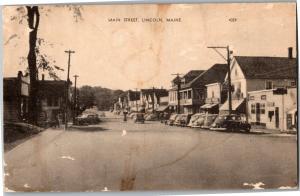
point(87, 128)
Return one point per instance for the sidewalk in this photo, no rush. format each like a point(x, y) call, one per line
point(273, 132)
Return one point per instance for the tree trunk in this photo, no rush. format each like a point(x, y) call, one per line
point(33, 23)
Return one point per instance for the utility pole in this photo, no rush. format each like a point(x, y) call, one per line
point(228, 60)
point(75, 99)
point(136, 105)
point(153, 94)
point(67, 88)
point(178, 81)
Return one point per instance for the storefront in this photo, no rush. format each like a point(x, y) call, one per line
point(273, 109)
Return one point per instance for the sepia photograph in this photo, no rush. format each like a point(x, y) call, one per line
point(150, 97)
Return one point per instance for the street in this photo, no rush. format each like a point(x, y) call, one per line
point(116, 155)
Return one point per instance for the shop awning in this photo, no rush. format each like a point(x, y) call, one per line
point(162, 108)
point(235, 104)
point(208, 105)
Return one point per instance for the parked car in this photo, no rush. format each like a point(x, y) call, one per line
point(184, 120)
point(164, 118)
point(199, 122)
point(230, 123)
point(87, 119)
point(132, 115)
point(101, 114)
point(151, 117)
point(139, 117)
point(172, 119)
point(194, 118)
point(177, 121)
point(209, 120)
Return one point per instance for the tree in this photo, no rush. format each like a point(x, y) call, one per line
point(33, 23)
point(33, 19)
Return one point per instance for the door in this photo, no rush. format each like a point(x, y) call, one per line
point(257, 113)
point(277, 117)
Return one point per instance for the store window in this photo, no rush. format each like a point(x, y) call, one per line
point(262, 108)
point(252, 108)
point(269, 84)
point(189, 94)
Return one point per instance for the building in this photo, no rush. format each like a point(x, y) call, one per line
point(16, 98)
point(163, 104)
point(52, 98)
point(193, 90)
point(133, 98)
point(252, 73)
point(186, 93)
point(150, 98)
point(216, 95)
point(274, 108)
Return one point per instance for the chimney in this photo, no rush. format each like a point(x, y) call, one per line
point(290, 50)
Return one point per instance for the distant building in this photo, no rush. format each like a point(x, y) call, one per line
point(150, 98)
point(189, 95)
point(193, 88)
point(133, 98)
point(16, 98)
point(274, 108)
point(259, 73)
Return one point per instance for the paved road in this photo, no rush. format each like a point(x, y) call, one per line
point(125, 156)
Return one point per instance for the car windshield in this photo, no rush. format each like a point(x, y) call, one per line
point(220, 119)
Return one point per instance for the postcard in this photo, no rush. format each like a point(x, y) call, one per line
point(150, 97)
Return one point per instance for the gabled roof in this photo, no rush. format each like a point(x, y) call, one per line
point(268, 67)
point(159, 92)
point(52, 87)
point(214, 74)
point(191, 75)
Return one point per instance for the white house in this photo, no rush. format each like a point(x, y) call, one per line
point(259, 73)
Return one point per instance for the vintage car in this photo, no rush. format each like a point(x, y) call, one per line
point(132, 115)
point(139, 117)
point(194, 118)
point(87, 119)
point(151, 117)
point(177, 121)
point(209, 120)
point(199, 122)
point(101, 114)
point(164, 117)
point(230, 123)
point(172, 119)
point(184, 120)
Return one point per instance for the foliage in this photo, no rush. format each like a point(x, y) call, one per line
point(103, 98)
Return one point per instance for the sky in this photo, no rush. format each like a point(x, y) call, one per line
point(128, 55)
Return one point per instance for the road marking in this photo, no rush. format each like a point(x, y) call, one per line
point(9, 190)
point(68, 157)
point(124, 132)
point(6, 174)
point(105, 189)
point(255, 185)
point(26, 186)
point(287, 187)
point(4, 164)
